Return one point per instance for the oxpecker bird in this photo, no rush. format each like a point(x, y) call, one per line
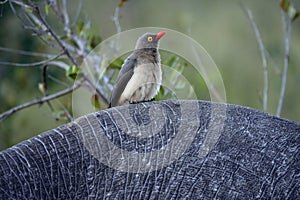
point(140, 76)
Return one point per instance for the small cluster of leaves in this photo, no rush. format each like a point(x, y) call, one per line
point(116, 64)
point(290, 9)
point(72, 72)
point(84, 30)
point(95, 100)
point(122, 3)
point(47, 9)
point(29, 10)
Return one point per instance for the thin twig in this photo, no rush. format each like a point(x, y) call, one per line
point(68, 54)
point(59, 64)
point(263, 57)
point(54, 35)
point(118, 27)
point(43, 62)
point(41, 100)
point(66, 17)
point(3, 2)
point(20, 3)
point(56, 80)
point(79, 7)
point(116, 19)
point(44, 79)
point(104, 99)
point(287, 29)
point(272, 63)
point(80, 41)
point(37, 18)
point(66, 112)
point(26, 53)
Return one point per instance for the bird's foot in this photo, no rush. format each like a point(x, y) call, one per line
point(135, 102)
point(149, 100)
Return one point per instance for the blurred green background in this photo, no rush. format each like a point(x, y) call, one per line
point(221, 27)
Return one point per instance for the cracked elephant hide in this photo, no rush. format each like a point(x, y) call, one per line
point(158, 150)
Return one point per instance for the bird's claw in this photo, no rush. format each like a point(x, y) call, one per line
point(149, 100)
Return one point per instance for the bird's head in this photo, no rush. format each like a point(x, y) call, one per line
point(149, 40)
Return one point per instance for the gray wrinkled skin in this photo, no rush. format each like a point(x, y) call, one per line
point(256, 156)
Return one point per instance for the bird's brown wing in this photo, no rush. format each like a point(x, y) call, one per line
point(124, 76)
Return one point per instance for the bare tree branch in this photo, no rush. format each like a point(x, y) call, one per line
point(59, 64)
point(3, 2)
point(27, 53)
point(44, 79)
point(20, 3)
point(66, 17)
point(68, 54)
point(33, 19)
point(287, 29)
point(272, 63)
point(263, 57)
point(43, 62)
point(41, 100)
point(96, 89)
point(54, 35)
point(39, 19)
point(56, 80)
point(116, 19)
point(77, 12)
point(66, 112)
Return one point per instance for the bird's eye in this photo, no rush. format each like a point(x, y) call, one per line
point(150, 39)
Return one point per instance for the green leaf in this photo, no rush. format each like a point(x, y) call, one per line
point(284, 4)
point(38, 26)
point(122, 3)
point(293, 13)
point(95, 40)
point(41, 87)
point(165, 93)
point(79, 26)
point(72, 72)
point(47, 8)
point(95, 101)
point(29, 10)
point(290, 9)
point(117, 63)
point(173, 61)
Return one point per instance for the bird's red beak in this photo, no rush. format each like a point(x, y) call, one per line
point(159, 35)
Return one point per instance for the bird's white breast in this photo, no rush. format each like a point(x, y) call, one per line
point(144, 83)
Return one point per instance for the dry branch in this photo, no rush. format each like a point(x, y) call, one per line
point(41, 100)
